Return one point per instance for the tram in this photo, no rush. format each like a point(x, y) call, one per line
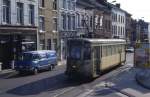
point(89, 57)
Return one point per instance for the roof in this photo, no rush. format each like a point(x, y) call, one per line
point(102, 40)
point(115, 7)
point(85, 3)
point(99, 6)
point(40, 51)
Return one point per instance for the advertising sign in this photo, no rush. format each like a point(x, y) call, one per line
point(142, 55)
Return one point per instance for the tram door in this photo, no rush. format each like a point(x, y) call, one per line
point(96, 59)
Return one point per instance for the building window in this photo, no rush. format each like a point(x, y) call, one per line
point(55, 4)
point(20, 13)
point(42, 3)
point(91, 21)
point(41, 23)
point(63, 16)
point(55, 24)
point(69, 4)
point(123, 19)
point(113, 30)
point(55, 44)
point(31, 14)
point(119, 31)
point(6, 11)
point(42, 44)
point(64, 4)
point(116, 30)
point(69, 22)
point(73, 5)
point(73, 23)
point(82, 21)
point(49, 44)
point(115, 17)
point(118, 18)
point(78, 20)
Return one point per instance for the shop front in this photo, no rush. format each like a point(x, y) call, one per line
point(13, 41)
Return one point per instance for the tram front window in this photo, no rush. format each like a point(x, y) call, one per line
point(86, 53)
point(75, 53)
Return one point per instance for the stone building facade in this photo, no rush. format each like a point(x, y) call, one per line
point(118, 22)
point(84, 18)
point(48, 24)
point(128, 28)
point(104, 21)
point(66, 24)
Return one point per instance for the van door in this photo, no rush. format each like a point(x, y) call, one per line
point(52, 58)
point(43, 62)
point(96, 59)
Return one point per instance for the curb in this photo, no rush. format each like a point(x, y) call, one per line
point(6, 72)
point(137, 78)
point(61, 63)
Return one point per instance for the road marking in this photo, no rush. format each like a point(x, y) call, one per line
point(65, 91)
point(85, 94)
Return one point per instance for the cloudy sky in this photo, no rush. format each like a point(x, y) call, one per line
point(140, 9)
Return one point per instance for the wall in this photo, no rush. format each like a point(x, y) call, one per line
point(117, 23)
point(149, 32)
point(14, 12)
point(81, 11)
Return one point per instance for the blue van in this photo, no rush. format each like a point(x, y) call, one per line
point(36, 60)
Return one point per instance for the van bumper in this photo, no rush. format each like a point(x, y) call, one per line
point(24, 69)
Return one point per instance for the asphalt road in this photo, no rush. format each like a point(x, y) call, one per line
point(55, 84)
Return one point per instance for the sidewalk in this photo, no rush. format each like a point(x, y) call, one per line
point(6, 72)
point(143, 78)
point(63, 62)
point(123, 83)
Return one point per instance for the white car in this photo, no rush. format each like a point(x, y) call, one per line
point(130, 50)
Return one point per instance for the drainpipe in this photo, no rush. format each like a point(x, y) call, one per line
point(37, 39)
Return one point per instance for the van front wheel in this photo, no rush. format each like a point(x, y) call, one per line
point(35, 71)
point(50, 67)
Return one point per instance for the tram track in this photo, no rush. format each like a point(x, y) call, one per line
point(88, 88)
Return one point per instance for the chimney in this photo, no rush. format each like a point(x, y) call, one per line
point(118, 5)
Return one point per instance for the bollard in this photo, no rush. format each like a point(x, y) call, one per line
point(0, 66)
point(12, 64)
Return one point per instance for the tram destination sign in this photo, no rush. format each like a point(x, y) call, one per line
point(142, 55)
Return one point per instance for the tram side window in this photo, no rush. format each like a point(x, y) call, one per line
point(123, 48)
point(104, 51)
point(113, 50)
point(87, 53)
point(120, 48)
point(108, 50)
point(117, 49)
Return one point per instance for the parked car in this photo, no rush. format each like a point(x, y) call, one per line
point(130, 50)
point(36, 60)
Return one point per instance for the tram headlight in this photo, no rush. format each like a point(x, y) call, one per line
point(73, 66)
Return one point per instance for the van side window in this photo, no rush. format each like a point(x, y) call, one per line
point(51, 55)
point(35, 56)
point(43, 56)
point(87, 53)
